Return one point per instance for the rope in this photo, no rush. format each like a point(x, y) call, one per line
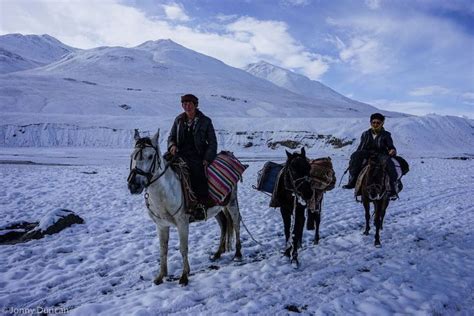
point(343, 176)
point(250, 234)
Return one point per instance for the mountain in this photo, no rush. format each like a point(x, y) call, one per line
point(302, 85)
point(20, 52)
point(148, 80)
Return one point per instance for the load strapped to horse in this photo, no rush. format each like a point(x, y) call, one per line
point(294, 186)
point(223, 174)
point(322, 176)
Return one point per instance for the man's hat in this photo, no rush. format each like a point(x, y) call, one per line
point(190, 97)
point(377, 116)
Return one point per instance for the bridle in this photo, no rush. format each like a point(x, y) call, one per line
point(141, 144)
point(295, 184)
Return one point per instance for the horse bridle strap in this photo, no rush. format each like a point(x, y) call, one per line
point(293, 181)
point(150, 174)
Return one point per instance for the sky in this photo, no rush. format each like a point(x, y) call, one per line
point(412, 56)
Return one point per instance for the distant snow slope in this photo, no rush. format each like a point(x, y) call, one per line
point(20, 52)
point(96, 97)
point(304, 86)
point(413, 136)
point(148, 80)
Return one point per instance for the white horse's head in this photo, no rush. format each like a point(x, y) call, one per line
point(145, 160)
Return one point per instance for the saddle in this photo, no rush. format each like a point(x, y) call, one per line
point(222, 174)
point(402, 168)
point(179, 166)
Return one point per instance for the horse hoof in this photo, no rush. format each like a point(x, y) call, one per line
point(237, 258)
point(316, 241)
point(215, 257)
point(295, 263)
point(366, 233)
point(377, 244)
point(158, 280)
point(183, 280)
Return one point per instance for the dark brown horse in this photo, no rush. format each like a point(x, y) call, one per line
point(294, 191)
point(374, 189)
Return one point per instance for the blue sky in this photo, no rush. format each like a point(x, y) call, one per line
point(412, 56)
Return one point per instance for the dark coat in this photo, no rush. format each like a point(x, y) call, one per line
point(383, 143)
point(205, 139)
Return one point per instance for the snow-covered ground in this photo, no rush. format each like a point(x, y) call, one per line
point(107, 265)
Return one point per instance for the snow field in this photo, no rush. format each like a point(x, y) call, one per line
point(107, 265)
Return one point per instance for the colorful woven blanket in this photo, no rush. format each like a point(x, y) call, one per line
point(223, 174)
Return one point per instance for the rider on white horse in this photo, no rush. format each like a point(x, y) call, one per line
point(192, 137)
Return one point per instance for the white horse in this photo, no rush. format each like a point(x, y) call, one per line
point(165, 202)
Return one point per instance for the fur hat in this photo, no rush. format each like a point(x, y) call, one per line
point(377, 116)
point(190, 97)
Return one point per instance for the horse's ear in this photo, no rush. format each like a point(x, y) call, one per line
point(303, 152)
point(288, 155)
point(156, 137)
point(137, 134)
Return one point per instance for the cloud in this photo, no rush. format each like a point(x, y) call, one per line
point(430, 90)
point(175, 11)
point(468, 95)
point(468, 98)
point(410, 107)
point(295, 3)
point(271, 40)
point(365, 54)
point(372, 4)
point(420, 108)
point(238, 42)
point(226, 17)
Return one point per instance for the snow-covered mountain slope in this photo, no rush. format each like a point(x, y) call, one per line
point(304, 86)
point(148, 80)
point(97, 97)
point(20, 52)
point(431, 135)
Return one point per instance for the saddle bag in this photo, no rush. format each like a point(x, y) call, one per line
point(223, 174)
point(267, 177)
point(322, 174)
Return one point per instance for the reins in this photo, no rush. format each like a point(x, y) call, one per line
point(150, 173)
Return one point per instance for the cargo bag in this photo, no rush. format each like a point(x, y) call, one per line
point(267, 176)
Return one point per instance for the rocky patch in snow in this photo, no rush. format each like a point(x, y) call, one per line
point(51, 223)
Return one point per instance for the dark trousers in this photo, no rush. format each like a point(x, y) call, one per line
point(197, 175)
point(357, 161)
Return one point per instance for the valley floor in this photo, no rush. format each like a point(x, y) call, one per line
point(425, 265)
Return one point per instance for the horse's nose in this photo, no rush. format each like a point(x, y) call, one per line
point(134, 188)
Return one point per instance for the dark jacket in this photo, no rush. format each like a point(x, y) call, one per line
point(205, 139)
point(383, 143)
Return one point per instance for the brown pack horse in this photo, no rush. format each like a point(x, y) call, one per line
point(373, 188)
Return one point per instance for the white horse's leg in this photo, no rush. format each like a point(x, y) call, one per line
point(222, 221)
point(183, 232)
point(164, 235)
point(234, 211)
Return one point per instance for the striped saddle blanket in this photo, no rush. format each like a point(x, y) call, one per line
point(223, 174)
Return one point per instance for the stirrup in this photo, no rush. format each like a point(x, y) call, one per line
point(348, 186)
point(199, 213)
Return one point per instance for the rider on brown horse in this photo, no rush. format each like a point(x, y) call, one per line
point(374, 140)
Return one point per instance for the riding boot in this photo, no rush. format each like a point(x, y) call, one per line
point(351, 184)
point(198, 213)
point(392, 192)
